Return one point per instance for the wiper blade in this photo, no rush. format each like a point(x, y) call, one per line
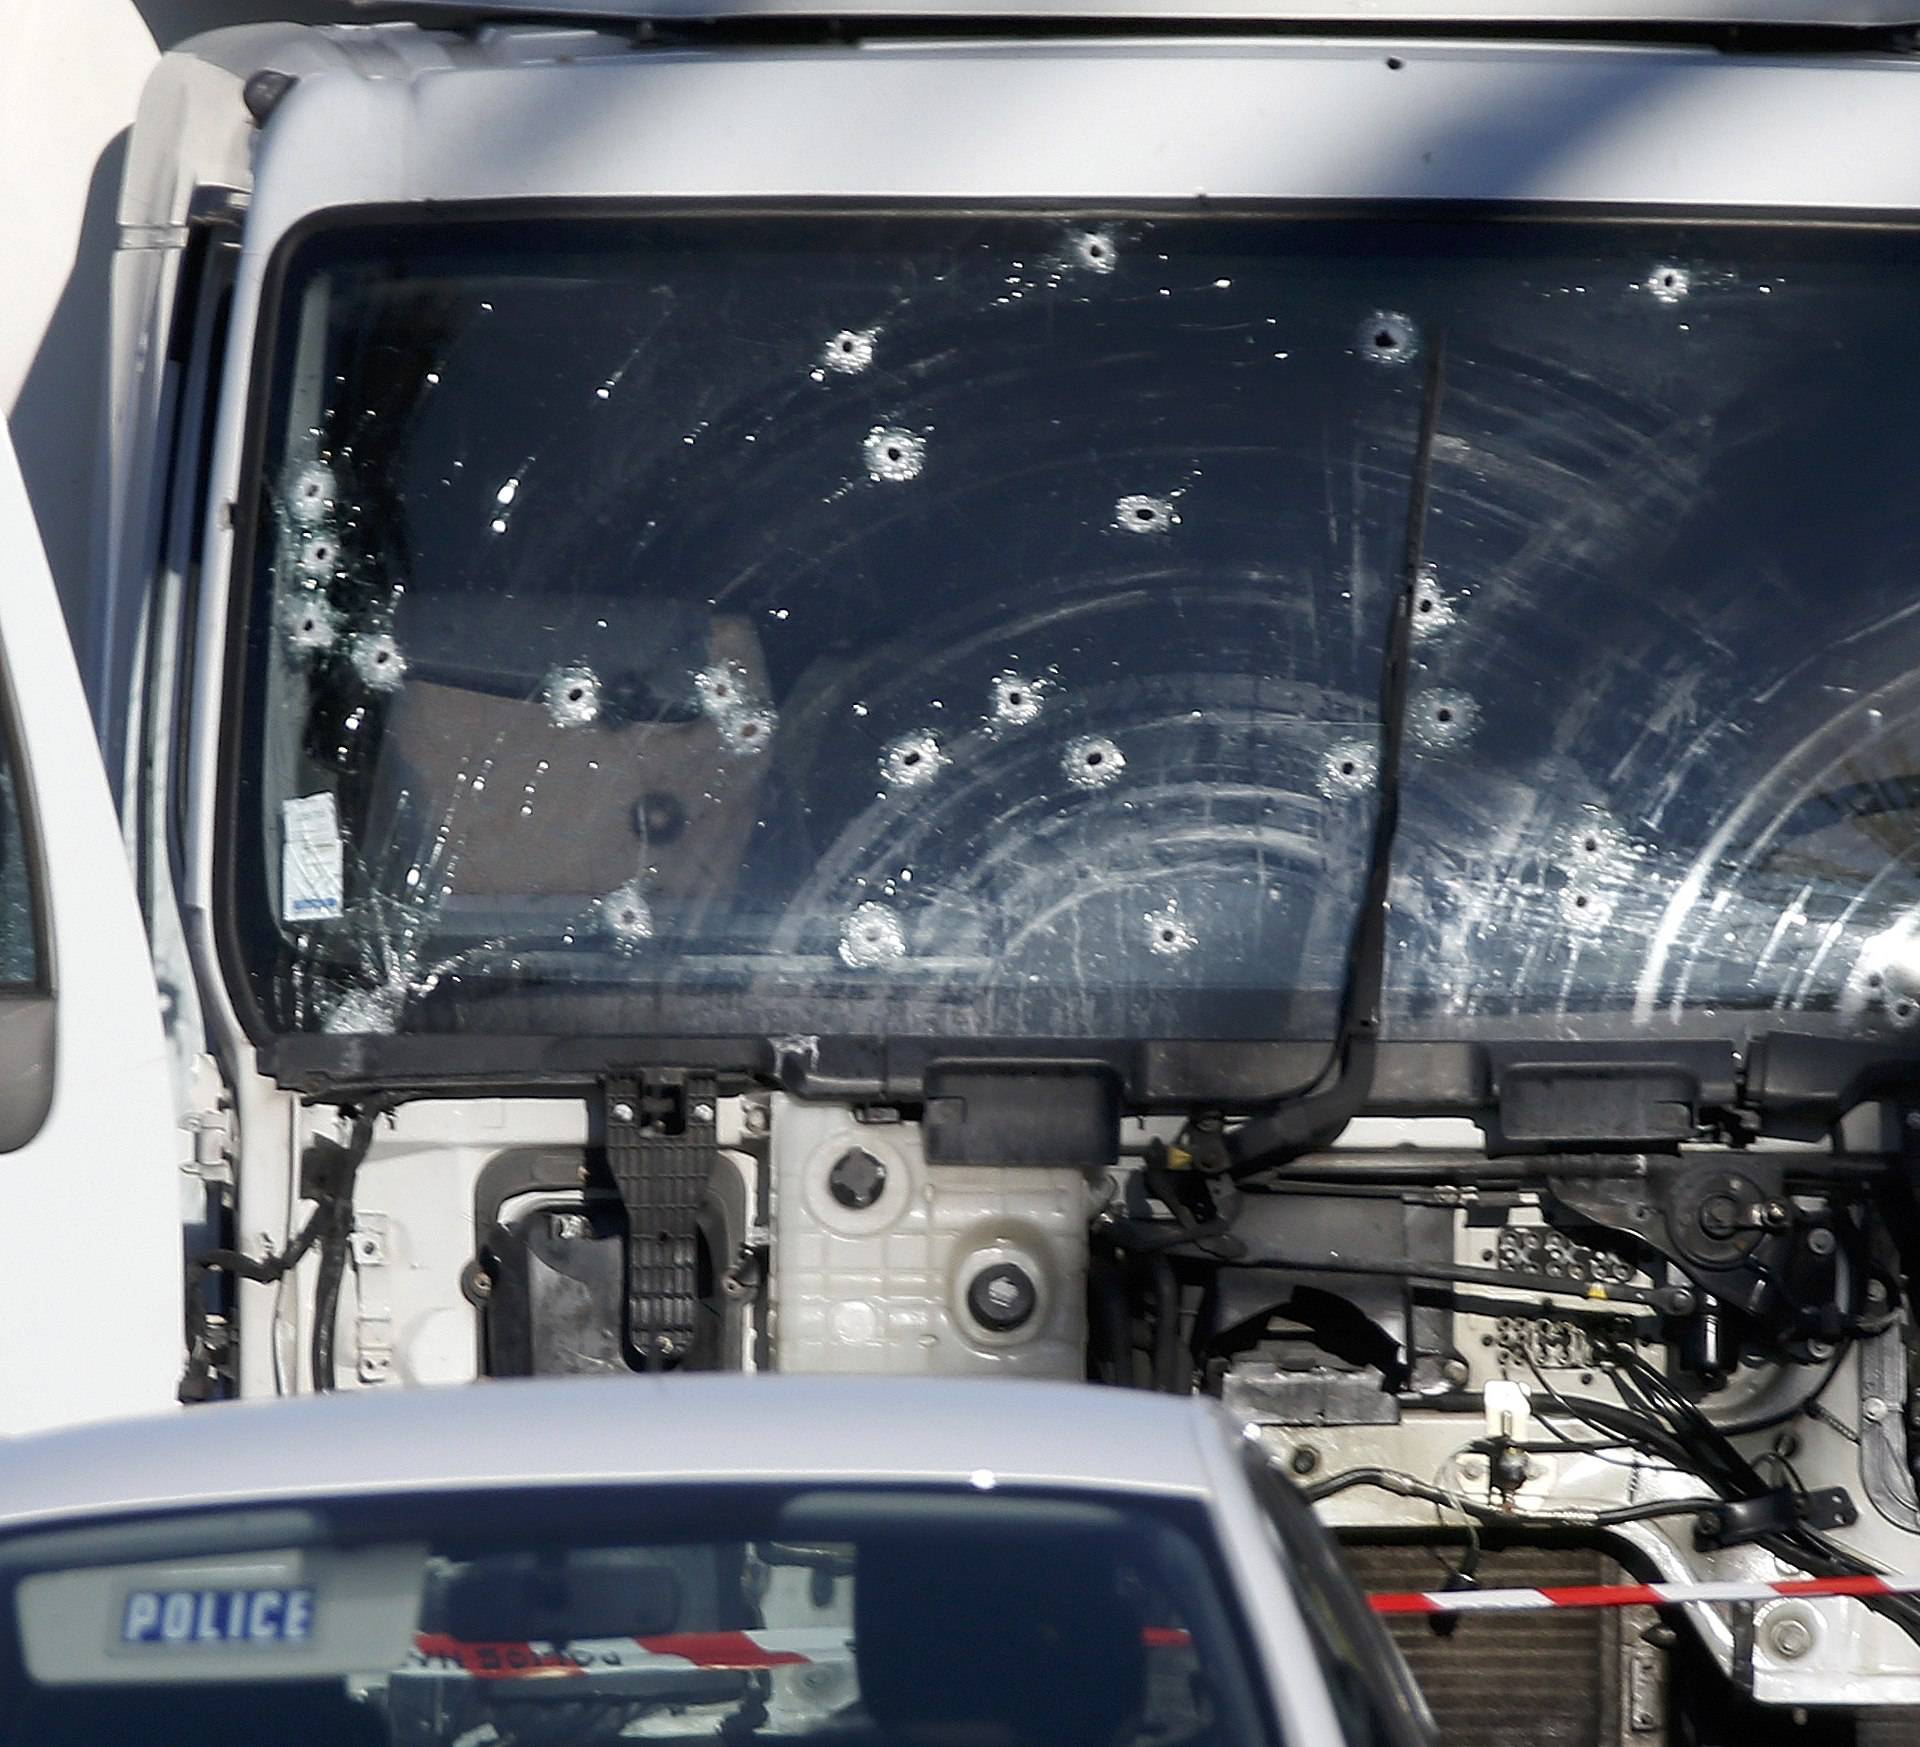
point(1312, 1115)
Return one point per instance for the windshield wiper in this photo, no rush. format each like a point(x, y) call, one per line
point(1312, 1114)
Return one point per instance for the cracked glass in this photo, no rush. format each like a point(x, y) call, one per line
point(961, 625)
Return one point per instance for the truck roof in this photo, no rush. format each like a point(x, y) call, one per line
point(599, 1430)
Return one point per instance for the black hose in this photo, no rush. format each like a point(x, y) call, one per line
point(198, 1380)
point(336, 1234)
point(1406, 1486)
point(1108, 1321)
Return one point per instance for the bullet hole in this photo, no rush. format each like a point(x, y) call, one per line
point(872, 936)
point(1015, 699)
point(1433, 611)
point(626, 915)
point(1092, 762)
point(1095, 251)
point(913, 760)
point(1875, 980)
point(366, 1012)
point(573, 697)
point(1388, 338)
point(894, 454)
point(309, 622)
point(377, 659)
point(1669, 284)
point(748, 732)
point(721, 689)
point(850, 351)
point(1144, 515)
point(1348, 768)
point(1168, 935)
point(1394, 63)
point(311, 496)
point(319, 554)
point(1583, 908)
point(1444, 719)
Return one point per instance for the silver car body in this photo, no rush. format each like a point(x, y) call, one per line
point(692, 1430)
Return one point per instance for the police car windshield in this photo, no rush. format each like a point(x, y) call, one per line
point(724, 1615)
point(968, 625)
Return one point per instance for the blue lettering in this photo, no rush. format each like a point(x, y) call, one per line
point(143, 1615)
point(217, 1616)
point(263, 1615)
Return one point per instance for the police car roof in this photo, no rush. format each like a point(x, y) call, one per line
point(1621, 16)
point(598, 1430)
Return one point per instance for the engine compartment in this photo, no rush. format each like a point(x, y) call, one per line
point(1692, 1363)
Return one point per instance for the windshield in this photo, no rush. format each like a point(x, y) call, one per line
point(880, 1618)
point(957, 625)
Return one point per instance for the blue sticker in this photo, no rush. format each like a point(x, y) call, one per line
point(182, 1617)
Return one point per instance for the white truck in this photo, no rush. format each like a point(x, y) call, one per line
point(1206, 696)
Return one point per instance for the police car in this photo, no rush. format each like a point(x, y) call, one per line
point(934, 1564)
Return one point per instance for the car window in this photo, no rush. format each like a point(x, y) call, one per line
point(19, 931)
point(20, 948)
point(878, 1618)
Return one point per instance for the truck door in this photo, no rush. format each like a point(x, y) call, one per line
point(90, 1298)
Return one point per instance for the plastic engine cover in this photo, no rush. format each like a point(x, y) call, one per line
point(884, 1264)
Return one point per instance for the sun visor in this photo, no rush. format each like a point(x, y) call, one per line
point(296, 1614)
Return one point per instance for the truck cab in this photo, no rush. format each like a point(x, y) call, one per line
point(1200, 697)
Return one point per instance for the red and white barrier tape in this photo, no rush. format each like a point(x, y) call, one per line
point(437, 1653)
point(1471, 1601)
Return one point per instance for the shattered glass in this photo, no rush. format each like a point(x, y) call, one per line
point(971, 626)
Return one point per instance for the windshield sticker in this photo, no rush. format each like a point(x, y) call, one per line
point(183, 1619)
point(311, 861)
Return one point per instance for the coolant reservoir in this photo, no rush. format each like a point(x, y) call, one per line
point(883, 1264)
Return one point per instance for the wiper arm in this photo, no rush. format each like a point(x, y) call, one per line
point(1312, 1115)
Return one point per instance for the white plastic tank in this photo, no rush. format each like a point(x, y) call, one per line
point(883, 1264)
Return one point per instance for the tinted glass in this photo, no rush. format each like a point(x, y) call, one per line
point(959, 625)
point(19, 931)
point(894, 1619)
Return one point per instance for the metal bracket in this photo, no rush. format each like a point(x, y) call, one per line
point(371, 1249)
point(661, 1150)
point(1882, 1435)
point(1743, 1520)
